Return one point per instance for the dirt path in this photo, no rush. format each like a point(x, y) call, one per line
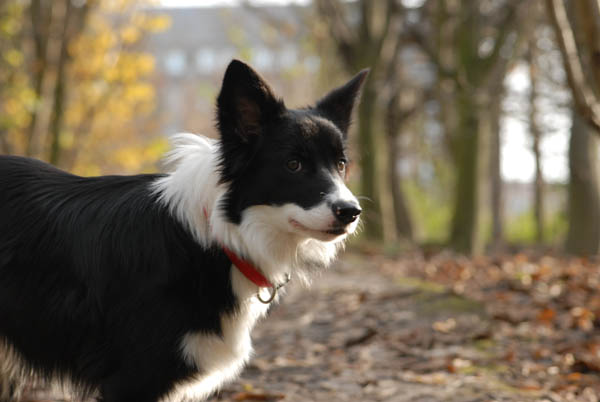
point(360, 335)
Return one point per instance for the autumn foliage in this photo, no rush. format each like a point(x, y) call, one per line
point(74, 84)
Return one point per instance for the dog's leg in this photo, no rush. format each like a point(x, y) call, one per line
point(9, 385)
point(128, 391)
point(142, 381)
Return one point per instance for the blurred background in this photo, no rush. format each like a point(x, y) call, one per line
point(475, 152)
point(470, 134)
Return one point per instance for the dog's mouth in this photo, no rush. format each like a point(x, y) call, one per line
point(334, 231)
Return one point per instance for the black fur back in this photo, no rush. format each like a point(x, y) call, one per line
point(99, 281)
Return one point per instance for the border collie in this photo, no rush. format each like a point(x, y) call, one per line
point(134, 287)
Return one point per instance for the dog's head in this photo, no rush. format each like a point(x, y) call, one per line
point(285, 167)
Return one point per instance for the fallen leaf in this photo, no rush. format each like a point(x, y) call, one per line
point(256, 396)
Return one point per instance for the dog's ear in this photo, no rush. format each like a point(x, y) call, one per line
point(245, 103)
point(337, 105)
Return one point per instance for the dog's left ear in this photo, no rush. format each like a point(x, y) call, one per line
point(245, 104)
point(338, 104)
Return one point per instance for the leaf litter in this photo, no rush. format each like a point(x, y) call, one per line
point(520, 327)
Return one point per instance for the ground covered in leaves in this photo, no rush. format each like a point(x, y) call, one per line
point(442, 328)
point(438, 328)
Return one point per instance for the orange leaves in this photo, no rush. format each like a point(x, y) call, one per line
point(129, 67)
point(108, 91)
point(16, 96)
point(111, 89)
point(140, 158)
point(544, 309)
point(152, 23)
point(584, 318)
point(546, 316)
point(257, 396)
point(130, 34)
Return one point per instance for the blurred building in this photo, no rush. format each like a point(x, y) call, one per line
point(192, 54)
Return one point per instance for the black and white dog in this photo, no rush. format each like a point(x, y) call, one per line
point(136, 287)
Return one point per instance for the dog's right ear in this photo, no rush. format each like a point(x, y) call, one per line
point(245, 104)
point(338, 104)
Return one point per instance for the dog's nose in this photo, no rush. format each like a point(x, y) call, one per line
point(345, 211)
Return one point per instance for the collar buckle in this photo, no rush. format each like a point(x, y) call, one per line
point(273, 292)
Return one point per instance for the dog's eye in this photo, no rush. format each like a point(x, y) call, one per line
point(294, 165)
point(341, 166)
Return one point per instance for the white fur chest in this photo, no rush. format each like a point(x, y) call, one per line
point(221, 358)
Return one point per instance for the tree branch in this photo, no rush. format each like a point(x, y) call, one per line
point(506, 26)
point(419, 39)
point(41, 18)
point(391, 10)
point(366, 13)
point(587, 18)
point(338, 27)
point(585, 100)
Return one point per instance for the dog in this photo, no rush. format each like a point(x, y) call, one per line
point(146, 288)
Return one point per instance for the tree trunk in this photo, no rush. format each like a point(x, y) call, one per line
point(538, 205)
point(534, 129)
point(497, 196)
point(402, 219)
point(583, 237)
point(585, 96)
point(74, 21)
point(373, 228)
point(5, 146)
point(359, 39)
point(41, 16)
point(464, 230)
point(56, 123)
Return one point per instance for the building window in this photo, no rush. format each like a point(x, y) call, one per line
point(206, 61)
point(175, 62)
point(312, 63)
point(288, 57)
point(263, 59)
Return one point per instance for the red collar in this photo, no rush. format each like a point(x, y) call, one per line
point(248, 270)
point(245, 267)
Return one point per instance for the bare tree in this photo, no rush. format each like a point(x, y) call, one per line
point(575, 55)
point(52, 27)
point(536, 136)
point(396, 115)
point(583, 237)
point(496, 182)
point(471, 49)
point(73, 22)
point(360, 45)
point(40, 18)
point(578, 33)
